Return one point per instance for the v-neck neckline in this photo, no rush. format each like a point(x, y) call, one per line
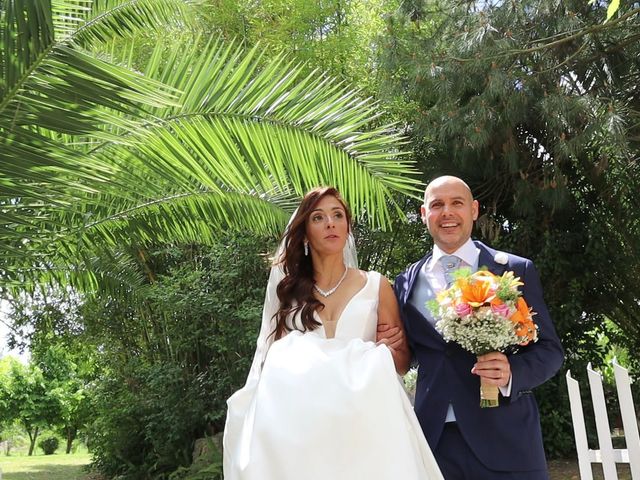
point(344, 309)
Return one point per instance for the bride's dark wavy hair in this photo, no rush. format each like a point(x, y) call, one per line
point(295, 290)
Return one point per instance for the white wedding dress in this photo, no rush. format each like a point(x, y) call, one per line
point(326, 409)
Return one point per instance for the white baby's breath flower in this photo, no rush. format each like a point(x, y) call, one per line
point(501, 258)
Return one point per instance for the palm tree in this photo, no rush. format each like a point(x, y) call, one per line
point(101, 153)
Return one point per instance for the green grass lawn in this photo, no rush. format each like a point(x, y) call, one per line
point(69, 467)
point(44, 467)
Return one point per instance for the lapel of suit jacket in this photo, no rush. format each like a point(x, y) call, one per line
point(486, 259)
point(412, 275)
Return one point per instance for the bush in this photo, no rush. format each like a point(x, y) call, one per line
point(167, 384)
point(49, 445)
point(207, 463)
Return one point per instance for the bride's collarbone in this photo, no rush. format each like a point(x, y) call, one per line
point(335, 303)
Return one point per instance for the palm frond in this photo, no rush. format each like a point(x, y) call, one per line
point(51, 85)
point(109, 18)
point(264, 121)
point(244, 138)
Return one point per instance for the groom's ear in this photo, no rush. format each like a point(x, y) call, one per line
point(423, 213)
point(475, 208)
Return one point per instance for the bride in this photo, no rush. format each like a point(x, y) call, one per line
point(322, 400)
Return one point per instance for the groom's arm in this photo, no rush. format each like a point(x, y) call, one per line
point(539, 361)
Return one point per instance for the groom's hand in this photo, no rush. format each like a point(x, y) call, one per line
point(494, 367)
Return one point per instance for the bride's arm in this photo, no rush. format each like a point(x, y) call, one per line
point(390, 328)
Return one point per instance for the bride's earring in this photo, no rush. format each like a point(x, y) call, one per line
point(306, 249)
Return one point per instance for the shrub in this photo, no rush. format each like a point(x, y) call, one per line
point(49, 445)
point(207, 464)
point(167, 383)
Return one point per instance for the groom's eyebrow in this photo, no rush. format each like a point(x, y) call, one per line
point(438, 199)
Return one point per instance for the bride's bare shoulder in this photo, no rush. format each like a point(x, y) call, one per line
point(361, 273)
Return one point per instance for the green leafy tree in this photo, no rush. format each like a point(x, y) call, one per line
point(51, 328)
point(339, 37)
point(75, 411)
point(69, 371)
point(535, 105)
point(31, 401)
point(6, 415)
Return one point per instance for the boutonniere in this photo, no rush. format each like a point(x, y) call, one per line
point(501, 258)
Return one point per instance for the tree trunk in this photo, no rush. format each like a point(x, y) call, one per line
point(71, 435)
point(33, 437)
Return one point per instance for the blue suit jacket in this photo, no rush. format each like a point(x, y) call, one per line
point(506, 438)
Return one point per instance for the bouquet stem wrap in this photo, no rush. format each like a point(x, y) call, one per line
point(488, 394)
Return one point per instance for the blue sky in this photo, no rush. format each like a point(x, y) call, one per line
point(4, 331)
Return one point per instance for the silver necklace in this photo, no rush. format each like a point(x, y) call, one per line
point(330, 291)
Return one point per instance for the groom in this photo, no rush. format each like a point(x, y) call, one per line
point(470, 442)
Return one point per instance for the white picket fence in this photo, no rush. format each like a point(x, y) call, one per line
point(606, 454)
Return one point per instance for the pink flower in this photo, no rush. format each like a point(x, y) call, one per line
point(463, 309)
point(501, 309)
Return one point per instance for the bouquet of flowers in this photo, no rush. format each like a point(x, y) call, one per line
point(484, 313)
